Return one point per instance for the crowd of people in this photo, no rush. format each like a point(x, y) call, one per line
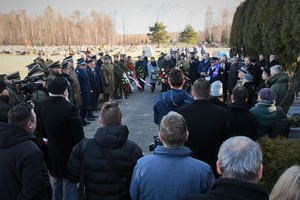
point(210, 106)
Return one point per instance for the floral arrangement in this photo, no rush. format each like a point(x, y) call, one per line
point(185, 69)
point(163, 75)
point(125, 85)
point(140, 73)
point(294, 121)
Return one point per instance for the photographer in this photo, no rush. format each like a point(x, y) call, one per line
point(14, 96)
point(4, 105)
point(154, 179)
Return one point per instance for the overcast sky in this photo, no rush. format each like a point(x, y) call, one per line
point(135, 15)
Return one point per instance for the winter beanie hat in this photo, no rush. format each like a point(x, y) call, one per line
point(266, 94)
point(216, 89)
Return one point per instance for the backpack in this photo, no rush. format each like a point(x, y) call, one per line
point(281, 125)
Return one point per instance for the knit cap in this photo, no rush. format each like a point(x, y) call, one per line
point(216, 89)
point(266, 94)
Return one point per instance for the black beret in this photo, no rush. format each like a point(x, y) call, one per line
point(13, 76)
point(2, 86)
point(58, 85)
point(54, 64)
point(101, 54)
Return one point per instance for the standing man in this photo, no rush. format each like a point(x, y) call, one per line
point(74, 81)
point(170, 173)
point(14, 96)
point(165, 63)
point(107, 76)
point(118, 77)
point(41, 60)
point(204, 64)
point(23, 170)
point(233, 74)
point(215, 72)
point(172, 99)
point(241, 122)
point(141, 71)
point(94, 86)
point(240, 164)
point(101, 180)
point(4, 104)
point(207, 124)
point(85, 90)
point(279, 82)
point(60, 122)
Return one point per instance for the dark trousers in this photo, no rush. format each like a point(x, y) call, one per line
point(152, 86)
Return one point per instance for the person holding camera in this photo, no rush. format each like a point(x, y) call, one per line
point(170, 173)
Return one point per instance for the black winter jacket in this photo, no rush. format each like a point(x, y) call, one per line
point(101, 181)
point(4, 108)
point(241, 121)
point(225, 189)
point(23, 170)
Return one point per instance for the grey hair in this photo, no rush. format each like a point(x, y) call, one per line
point(240, 158)
point(276, 69)
point(173, 129)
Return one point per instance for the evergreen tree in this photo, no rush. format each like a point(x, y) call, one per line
point(188, 35)
point(158, 33)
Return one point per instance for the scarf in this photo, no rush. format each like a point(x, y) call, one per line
point(153, 64)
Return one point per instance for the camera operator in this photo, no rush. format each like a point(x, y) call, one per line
point(14, 96)
point(4, 105)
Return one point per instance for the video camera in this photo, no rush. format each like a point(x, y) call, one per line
point(29, 85)
point(156, 142)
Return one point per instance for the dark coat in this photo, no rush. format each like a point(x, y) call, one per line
point(166, 64)
point(203, 66)
point(250, 86)
point(225, 189)
point(76, 87)
point(102, 182)
point(84, 87)
point(218, 101)
point(60, 122)
point(241, 121)
point(14, 96)
point(233, 76)
point(4, 108)
point(23, 170)
point(194, 75)
point(93, 80)
point(207, 125)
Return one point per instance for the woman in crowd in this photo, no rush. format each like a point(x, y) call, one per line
point(152, 71)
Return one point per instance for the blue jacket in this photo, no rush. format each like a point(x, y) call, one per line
point(170, 101)
point(170, 174)
point(203, 66)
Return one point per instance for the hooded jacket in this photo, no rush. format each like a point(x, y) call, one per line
point(101, 181)
point(168, 101)
point(23, 170)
